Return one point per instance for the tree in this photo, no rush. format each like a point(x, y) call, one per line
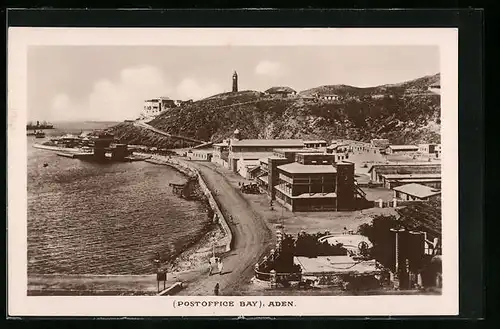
point(383, 240)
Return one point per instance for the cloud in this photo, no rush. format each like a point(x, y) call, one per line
point(114, 100)
point(192, 89)
point(124, 98)
point(269, 68)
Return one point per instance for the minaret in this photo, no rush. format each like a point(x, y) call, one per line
point(235, 82)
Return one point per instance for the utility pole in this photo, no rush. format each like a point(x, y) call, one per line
point(396, 272)
point(157, 263)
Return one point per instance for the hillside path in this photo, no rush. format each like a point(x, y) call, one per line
point(252, 236)
point(161, 132)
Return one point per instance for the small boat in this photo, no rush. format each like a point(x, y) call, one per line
point(40, 134)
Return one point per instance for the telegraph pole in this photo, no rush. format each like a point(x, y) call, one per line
point(396, 272)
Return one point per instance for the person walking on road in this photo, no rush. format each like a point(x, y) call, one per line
point(221, 267)
point(209, 267)
point(216, 289)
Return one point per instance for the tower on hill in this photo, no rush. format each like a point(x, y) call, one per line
point(235, 82)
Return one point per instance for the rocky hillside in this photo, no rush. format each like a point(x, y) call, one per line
point(403, 113)
point(399, 89)
point(126, 132)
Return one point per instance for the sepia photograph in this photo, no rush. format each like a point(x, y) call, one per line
point(247, 172)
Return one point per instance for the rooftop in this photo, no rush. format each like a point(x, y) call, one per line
point(408, 176)
point(315, 142)
point(266, 159)
point(337, 264)
point(264, 178)
point(417, 190)
point(283, 143)
point(403, 147)
point(335, 145)
point(297, 168)
point(250, 163)
point(255, 169)
point(417, 180)
point(252, 155)
point(315, 153)
point(285, 150)
point(280, 89)
point(404, 164)
point(380, 142)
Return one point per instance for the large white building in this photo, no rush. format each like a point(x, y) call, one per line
point(155, 106)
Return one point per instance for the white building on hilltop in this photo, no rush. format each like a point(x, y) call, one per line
point(155, 106)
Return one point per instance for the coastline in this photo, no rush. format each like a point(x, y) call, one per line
point(186, 266)
point(223, 244)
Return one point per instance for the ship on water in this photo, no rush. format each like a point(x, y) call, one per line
point(39, 125)
point(39, 134)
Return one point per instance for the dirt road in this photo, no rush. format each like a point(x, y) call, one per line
point(252, 237)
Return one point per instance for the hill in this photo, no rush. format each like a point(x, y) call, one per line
point(401, 115)
point(420, 84)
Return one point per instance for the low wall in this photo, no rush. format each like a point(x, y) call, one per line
point(225, 242)
point(172, 290)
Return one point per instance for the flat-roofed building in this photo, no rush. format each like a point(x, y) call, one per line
point(249, 160)
point(313, 186)
point(380, 144)
point(377, 170)
point(394, 180)
point(243, 148)
point(220, 154)
point(329, 97)
point(155, 106)
point(200, 155)
point(438, 151)
point(290, 153)
point(307, 187)
point(435, 88)
point(401, 149)
point(427, 148)
point(416, 192)
point(323, 266)
point(315, 144)
point(281, 92)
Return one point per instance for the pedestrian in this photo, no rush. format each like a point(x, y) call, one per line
point(216, 289)
point(209, 267)
point(221, 267)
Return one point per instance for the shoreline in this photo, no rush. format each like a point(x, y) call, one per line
point(186, 265)
point(218, 217)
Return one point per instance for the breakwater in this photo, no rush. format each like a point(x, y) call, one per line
point(55, 148)
point(224, 243)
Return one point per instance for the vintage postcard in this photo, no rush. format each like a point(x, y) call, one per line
point(232, 172)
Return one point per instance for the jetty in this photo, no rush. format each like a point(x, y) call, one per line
point(55, 148)
point(66, 155)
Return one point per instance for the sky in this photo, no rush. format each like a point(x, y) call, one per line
point(112, 82)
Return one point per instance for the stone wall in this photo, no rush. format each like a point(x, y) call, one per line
point(225, 243)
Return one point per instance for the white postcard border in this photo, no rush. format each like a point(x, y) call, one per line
point(19, 304)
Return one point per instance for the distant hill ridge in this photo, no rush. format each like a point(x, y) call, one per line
point(346, 90)
point(410, 114)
